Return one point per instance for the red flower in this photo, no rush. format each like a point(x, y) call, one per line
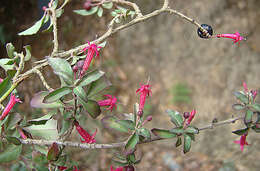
point(192, 114)
point(85, 135)
point(236, 37)
point(75, 168)
point(9, 106)
point(92, 49)
point(144, 92)
point(117, 169)
point(254, 94)
point(62, 168)
point(245, 87)
point(242, 141)
point(111, 102)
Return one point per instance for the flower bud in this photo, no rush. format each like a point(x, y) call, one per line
point(87, 5)
point(129, 168)
point(140, 113)
point(186, 115)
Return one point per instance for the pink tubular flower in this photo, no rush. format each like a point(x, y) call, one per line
point(235, 36)
point(110, 101)
point(22, 134)
point(254, 94)
point(117, 169)
point(245, 87)
point(85, 135)
point(144, 92)
point(92, 49)
point(9, 106)
point(75, 168)
point(242, 141)
point(192, 114)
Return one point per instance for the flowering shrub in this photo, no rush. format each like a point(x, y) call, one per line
point(81, 88)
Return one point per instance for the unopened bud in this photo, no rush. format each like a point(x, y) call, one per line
point(186, 115)
point(129, 168)
point(140, 113)
point(87, 5)
point(44, 8)
point(149, 118)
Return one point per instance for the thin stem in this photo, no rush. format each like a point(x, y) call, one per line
point(45, 84)
point(55, 31)
point(119, 144)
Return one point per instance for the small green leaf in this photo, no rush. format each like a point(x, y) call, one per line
point(10, 50)
point(248, 117)
point(13, 140)
point(163, 133)
point(4, 64)
point(12, 152)
point(80, 92)
point(240, 96)
point(187, 143)
point(191, 130)
point(127, 123)
point(103, 44)
point(62, 68)
point(107, 5)
point(238, 107)
point(132, 142)
point(131, 158)
point(98, 86)
point(144, 132)
point(28, 53)
point(37, 101)
point(120, 162)
point(91, 107)
point(91, 77)
point(47, 131)
point(111, 122)
point(240, 131)
point(5, 85)
point(57, 94)
point(12, 121)
point(34, 29)
point(100, 12)
point(84, 12)
point(65, 125)
point(59, 12)
point(256, 107)
point(178, 131)
point(42, 120)
point(178, 142)
point(176, 117)
point(53, 152)
point(256, 128)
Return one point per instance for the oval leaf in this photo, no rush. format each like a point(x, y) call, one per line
point(100, 12)
point(176, 117)
point(5, 85)
point(53, 152)
point(191, 130)
point(144, 132)
point(91, 77)
point(34, 29)
point(111, 122)
point(80, 92)
point(243, 98)
point(107, 5)
point(178, 142)
point(62, 68)
point(56, 94)
point(42, 120)
point(187, 143)
point(98, 86)
point(132, 142)
point(127, 123)
point(240, 131)
point(28, 52)
point(47, 131)
point(238, 107)
point(91, 107)
point(248, 117)
point(256, 107)
point(37, 101)
point(84, 12)
point(178, 131)
point(163, 133)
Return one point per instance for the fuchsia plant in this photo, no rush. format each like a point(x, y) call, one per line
point(77, 96)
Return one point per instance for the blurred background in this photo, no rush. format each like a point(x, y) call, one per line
point(186, 72)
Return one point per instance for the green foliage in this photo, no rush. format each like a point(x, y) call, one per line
point(132, 142)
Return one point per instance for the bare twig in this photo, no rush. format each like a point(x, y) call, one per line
point(45, 84)
point(55, 31)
